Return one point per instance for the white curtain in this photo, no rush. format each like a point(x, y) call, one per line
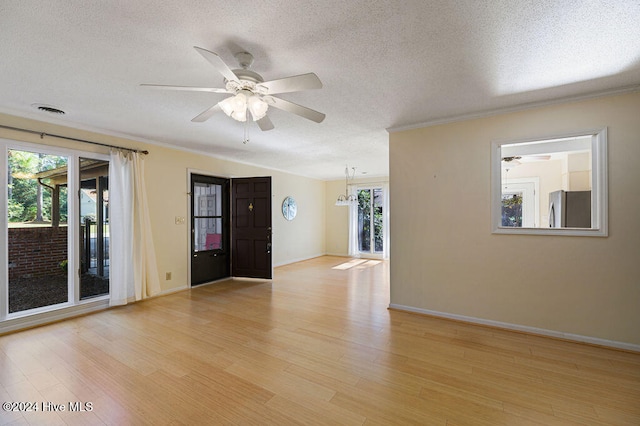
point(133, 269)
point(353, 223)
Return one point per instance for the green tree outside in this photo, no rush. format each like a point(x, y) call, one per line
point(365, 209)
point(23, 187)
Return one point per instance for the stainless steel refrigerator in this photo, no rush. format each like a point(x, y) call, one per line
point(570, 209)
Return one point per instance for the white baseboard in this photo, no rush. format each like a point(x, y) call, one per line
point(172, 290)
point(30, 321)
point(360, 256)
point(300, 259)
point(337, 254)
point(521, 328)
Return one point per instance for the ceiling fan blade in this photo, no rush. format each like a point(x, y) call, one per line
point(293, 84)
point(206, 114)
point(305, 112)
point(265, 124)
point(217, 63)
point(186, 88)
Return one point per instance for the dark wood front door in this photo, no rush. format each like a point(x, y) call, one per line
point(210, 236)
point(251, 201)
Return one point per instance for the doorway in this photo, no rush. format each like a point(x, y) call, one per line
point(230, 228)
point(251, 199)
point(54, 250)
point(369, 222)
point(370, 229)
point(210, 236)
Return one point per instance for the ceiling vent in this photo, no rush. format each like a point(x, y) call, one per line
point(48, 108)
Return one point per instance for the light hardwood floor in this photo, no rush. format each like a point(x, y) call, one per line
point(316, 346)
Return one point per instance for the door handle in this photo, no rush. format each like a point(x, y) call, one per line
point(268, 247)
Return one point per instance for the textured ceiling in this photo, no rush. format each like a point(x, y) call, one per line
point(384, 64)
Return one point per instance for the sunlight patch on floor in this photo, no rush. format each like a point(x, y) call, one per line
point(357, 263)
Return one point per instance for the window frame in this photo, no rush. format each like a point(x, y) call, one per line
point(599, 186)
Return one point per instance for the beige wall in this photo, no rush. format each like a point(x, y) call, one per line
point(445, 258)
point(166, 173)
point(337, 220)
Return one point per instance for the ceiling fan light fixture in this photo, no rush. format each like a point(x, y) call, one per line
point(257, 107)
point(235, 106)
point(240, 101)
point(240, 115)
point(226, 105)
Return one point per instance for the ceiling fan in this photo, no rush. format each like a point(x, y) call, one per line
point(251, 94)
point(515, 160)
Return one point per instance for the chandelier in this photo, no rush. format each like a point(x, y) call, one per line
point(347, 199)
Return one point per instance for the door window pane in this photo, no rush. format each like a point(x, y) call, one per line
point(208, 234)
point(207, 218)
point(512, 209)
point(38, 232)
point(94, 228)
point(364, 220)
point(378, 201)
point(371, 220)
point(207, 199)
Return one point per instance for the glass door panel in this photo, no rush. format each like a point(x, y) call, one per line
point(364, 220)
point(37, 230)
point(378, 203)
point(208, 234)
point(370, 220)
point(94, 228)
point(512, 209)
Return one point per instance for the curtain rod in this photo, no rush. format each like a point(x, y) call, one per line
point(43, 134)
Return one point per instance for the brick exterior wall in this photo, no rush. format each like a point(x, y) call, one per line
point(36, 252)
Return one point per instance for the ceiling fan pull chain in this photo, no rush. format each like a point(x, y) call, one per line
point(246, 132)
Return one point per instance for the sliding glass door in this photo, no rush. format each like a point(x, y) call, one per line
point(370, 221)
point(55, 243)
point(94, 228)
point(38, 231)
